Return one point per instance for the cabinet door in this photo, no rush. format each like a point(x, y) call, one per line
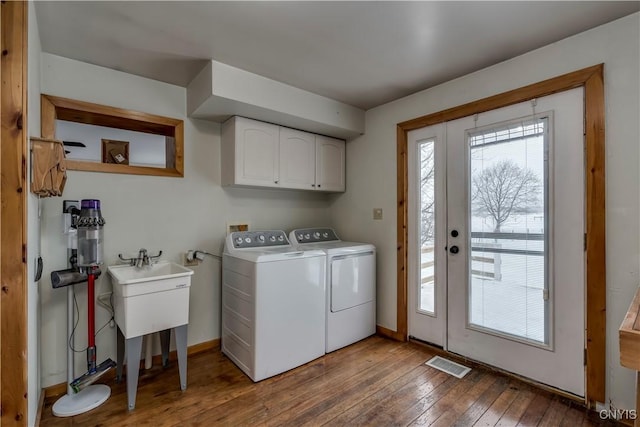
point(297, 159)
point(330, 164)
point(256, 153)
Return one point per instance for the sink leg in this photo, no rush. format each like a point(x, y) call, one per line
point(165, 339)
point(119, 354)
point(134, 349)
point(181, 348)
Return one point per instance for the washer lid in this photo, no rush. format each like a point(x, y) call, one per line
point(271, 254)
point(339, 246)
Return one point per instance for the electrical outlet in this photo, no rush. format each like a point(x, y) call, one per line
point(377, 213)
point(237, 226)
point(186, 262)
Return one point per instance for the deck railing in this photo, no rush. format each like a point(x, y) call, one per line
point(483, 265)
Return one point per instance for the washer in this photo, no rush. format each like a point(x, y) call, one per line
point(273, 312)
point(351, 285)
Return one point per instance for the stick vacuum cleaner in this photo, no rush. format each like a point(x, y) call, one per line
point(84, 227)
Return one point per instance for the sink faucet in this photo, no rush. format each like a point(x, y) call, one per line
point(143, 258)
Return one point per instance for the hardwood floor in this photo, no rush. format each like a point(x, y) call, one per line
point(376, 382)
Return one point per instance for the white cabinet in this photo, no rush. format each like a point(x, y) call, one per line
point(297, 159)
point(261, 154)
point(330, 164)
point(250, 153)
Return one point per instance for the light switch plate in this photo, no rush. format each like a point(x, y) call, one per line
point(377, 213)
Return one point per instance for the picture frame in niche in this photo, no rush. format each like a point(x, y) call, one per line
point(114, 151)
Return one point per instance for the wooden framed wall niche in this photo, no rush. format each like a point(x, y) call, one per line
point(55, 108)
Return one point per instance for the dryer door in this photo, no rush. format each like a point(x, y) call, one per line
point(353, 280)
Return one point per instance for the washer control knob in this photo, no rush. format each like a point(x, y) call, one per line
point(281, 238)
point(247, 239)
point(325, 234)
point(300, 237)
point(261, 238)
point(307, 236)
point(316, 235)
point(272, 238)
point(238, 240)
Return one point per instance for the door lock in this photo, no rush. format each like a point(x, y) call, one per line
point(454, 250)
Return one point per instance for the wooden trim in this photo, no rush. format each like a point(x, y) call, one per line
point(629, 335)
point(61, 388)
point(179, 148)
point(103, 115)
point(403, 232)
point(595, 223)
point(591, 79)
point(637, 422)
point(47, 118)
point(40, 407)
point(526, 93)
point(80, 165)
point(629, 338)
point(56, 108)
point(213, 345)
point(13, 214)
point(388, 333)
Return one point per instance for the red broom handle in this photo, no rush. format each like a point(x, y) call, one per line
point(91, 321)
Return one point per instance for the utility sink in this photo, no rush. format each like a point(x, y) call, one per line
point(150, 298)
point(128, 274)
point(153, 298)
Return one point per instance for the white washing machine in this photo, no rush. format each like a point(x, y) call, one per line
point(351, 285)
point(273, 313)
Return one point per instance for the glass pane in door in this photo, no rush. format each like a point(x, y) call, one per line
point(426, 298)
point(508, 285)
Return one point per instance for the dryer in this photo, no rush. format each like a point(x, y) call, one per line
point(273, 312)
point(351, 285)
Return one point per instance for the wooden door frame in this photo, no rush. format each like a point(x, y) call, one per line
point(13, 215)
point(592, 79)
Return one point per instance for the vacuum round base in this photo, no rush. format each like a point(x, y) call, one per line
point(85, 400)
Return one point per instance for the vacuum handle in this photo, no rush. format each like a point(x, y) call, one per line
point(70, 276)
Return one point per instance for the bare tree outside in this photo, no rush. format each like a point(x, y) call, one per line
point(427, 201)
point(504, 189)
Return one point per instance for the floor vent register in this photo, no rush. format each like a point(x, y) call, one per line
point(445, 365)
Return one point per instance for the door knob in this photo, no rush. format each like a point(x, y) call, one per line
point(454, 249)
point(454, 233)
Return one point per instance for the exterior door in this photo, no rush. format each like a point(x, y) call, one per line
point(427, 263)
point(515, 240)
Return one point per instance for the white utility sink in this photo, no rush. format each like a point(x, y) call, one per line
point(150, 298)
point(128, 274)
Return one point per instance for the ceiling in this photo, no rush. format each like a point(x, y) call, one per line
point(360, 53)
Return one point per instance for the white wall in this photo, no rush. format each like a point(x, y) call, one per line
point(168, 214)
point(33, 224)
point(371, 166)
